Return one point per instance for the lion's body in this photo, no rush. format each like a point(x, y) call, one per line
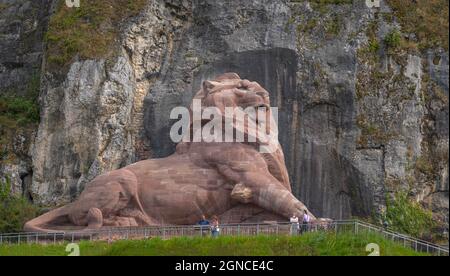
point(175, 190)
point(200, 178)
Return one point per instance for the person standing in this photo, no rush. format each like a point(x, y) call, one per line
point(305, 221)
point(204, 223)
point(215, 227)
point(294, 225)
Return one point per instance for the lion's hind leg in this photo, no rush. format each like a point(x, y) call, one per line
point(130, 217)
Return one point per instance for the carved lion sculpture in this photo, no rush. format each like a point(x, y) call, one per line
point(233, 180)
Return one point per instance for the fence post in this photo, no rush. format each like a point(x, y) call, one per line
point(239, 229)
point(257, 229)
point(54, 238)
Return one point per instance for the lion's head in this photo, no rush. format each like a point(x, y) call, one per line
point(230, 91)
point(251, 116)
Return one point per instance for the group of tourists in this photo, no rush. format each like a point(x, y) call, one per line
point(296, 226)
point(295, 223)
point(213, 225)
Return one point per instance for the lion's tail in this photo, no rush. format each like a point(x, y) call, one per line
point(41, 223)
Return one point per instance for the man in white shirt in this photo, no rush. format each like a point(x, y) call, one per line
point(306, 220)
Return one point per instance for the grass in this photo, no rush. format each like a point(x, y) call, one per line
point(87, 32)
point(427, 19)
point(333, 26)
point(310, 244)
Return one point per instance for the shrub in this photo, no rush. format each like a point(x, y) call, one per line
point(393, 39)
point(19, 109)
point(406, 216)
point(14, 210)
point(373, 46)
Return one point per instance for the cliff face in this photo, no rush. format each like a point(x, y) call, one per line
point(362, 113)
point(22, 27)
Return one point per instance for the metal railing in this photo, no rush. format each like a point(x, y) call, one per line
point(245, 229)
point(417, 245)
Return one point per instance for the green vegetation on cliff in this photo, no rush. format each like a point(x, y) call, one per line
point(19, 113)
point(14, 210)
point(324, 5)
point(426, 19)
point(407, 216)
point(19, 108)
point(89, 31)
point(311, 244)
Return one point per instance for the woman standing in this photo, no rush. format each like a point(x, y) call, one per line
point(306, 220)
point(215, 226)
point(294, 225)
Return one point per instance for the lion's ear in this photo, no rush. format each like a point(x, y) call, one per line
point(208, 86)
